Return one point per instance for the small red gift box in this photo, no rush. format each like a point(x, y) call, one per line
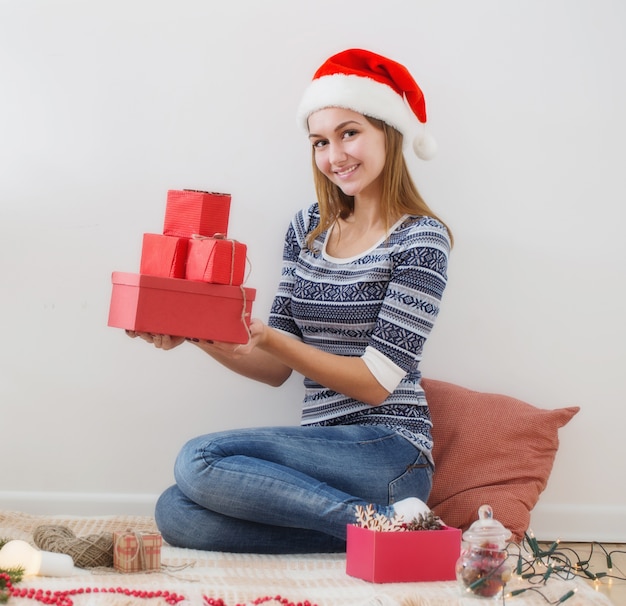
point(136, 551)
point(216, 260)
point(164, 256)
point(185, 308)
point(402, 556)
point(189, 212)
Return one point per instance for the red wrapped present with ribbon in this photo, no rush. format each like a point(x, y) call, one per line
point(164, 256)
point(216, 260)
point(136, 551)
point(189, 212)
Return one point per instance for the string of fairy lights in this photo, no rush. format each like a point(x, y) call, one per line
point(536, 562)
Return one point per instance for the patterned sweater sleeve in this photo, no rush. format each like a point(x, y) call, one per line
point(280, 316)
point(411, 303)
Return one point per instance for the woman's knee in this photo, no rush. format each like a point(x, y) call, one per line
point(197, 456)
point(191, 459)
point(166, 515)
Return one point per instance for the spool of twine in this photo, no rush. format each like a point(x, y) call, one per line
point(91, 551)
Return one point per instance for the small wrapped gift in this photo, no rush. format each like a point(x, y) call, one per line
point(216, 260)
point(136, 551)
point(164, 256)
point(189, 212)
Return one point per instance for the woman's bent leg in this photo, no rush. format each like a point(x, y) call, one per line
point(308, 478)
point(184, 523)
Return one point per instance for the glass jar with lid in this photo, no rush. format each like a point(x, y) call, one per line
point(483, 568)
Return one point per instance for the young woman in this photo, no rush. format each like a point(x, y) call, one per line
point(364, 270)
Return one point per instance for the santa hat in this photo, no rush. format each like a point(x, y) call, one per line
point(374, 86)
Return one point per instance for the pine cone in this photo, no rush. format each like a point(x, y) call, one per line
point(430, 521)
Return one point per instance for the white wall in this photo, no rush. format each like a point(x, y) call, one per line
point(104, 106)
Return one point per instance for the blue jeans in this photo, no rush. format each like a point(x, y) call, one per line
point(286, 489)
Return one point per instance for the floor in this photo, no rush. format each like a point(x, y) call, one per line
point(613, 588)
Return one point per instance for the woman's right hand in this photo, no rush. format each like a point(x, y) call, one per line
point(159, 341)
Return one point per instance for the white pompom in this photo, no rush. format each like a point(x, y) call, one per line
point(425, 146)
point(410, 508)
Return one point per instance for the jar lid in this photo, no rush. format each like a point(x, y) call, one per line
point(486, 529)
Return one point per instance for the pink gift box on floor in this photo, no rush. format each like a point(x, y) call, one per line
point(136, 551)
point(179, 307)
point(218, 261)
point(403, 556)
point(164, 256)
point(190, 212)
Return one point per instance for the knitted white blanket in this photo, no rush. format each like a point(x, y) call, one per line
point(204, 578)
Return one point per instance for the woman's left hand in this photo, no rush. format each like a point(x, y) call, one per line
point(234, 350)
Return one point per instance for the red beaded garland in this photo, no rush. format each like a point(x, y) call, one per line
point(62, 598)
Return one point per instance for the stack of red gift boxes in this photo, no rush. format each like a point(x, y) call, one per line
point(190, 280)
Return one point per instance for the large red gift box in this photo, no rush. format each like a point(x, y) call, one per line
point(218, 261)
point(402, 556)
point(190, 212)
point(136, 551)
point(163, 256)
point(178, 307)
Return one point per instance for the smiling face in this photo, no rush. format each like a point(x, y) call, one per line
point(349, 150)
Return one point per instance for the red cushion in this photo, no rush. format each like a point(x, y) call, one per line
point(490, 449)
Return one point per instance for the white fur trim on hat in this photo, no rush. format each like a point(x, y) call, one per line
point(362, 95)
point(370, 98)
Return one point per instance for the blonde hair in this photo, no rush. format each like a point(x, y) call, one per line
point(399, 197)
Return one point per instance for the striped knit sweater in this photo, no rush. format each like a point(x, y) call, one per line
point(380, 305)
